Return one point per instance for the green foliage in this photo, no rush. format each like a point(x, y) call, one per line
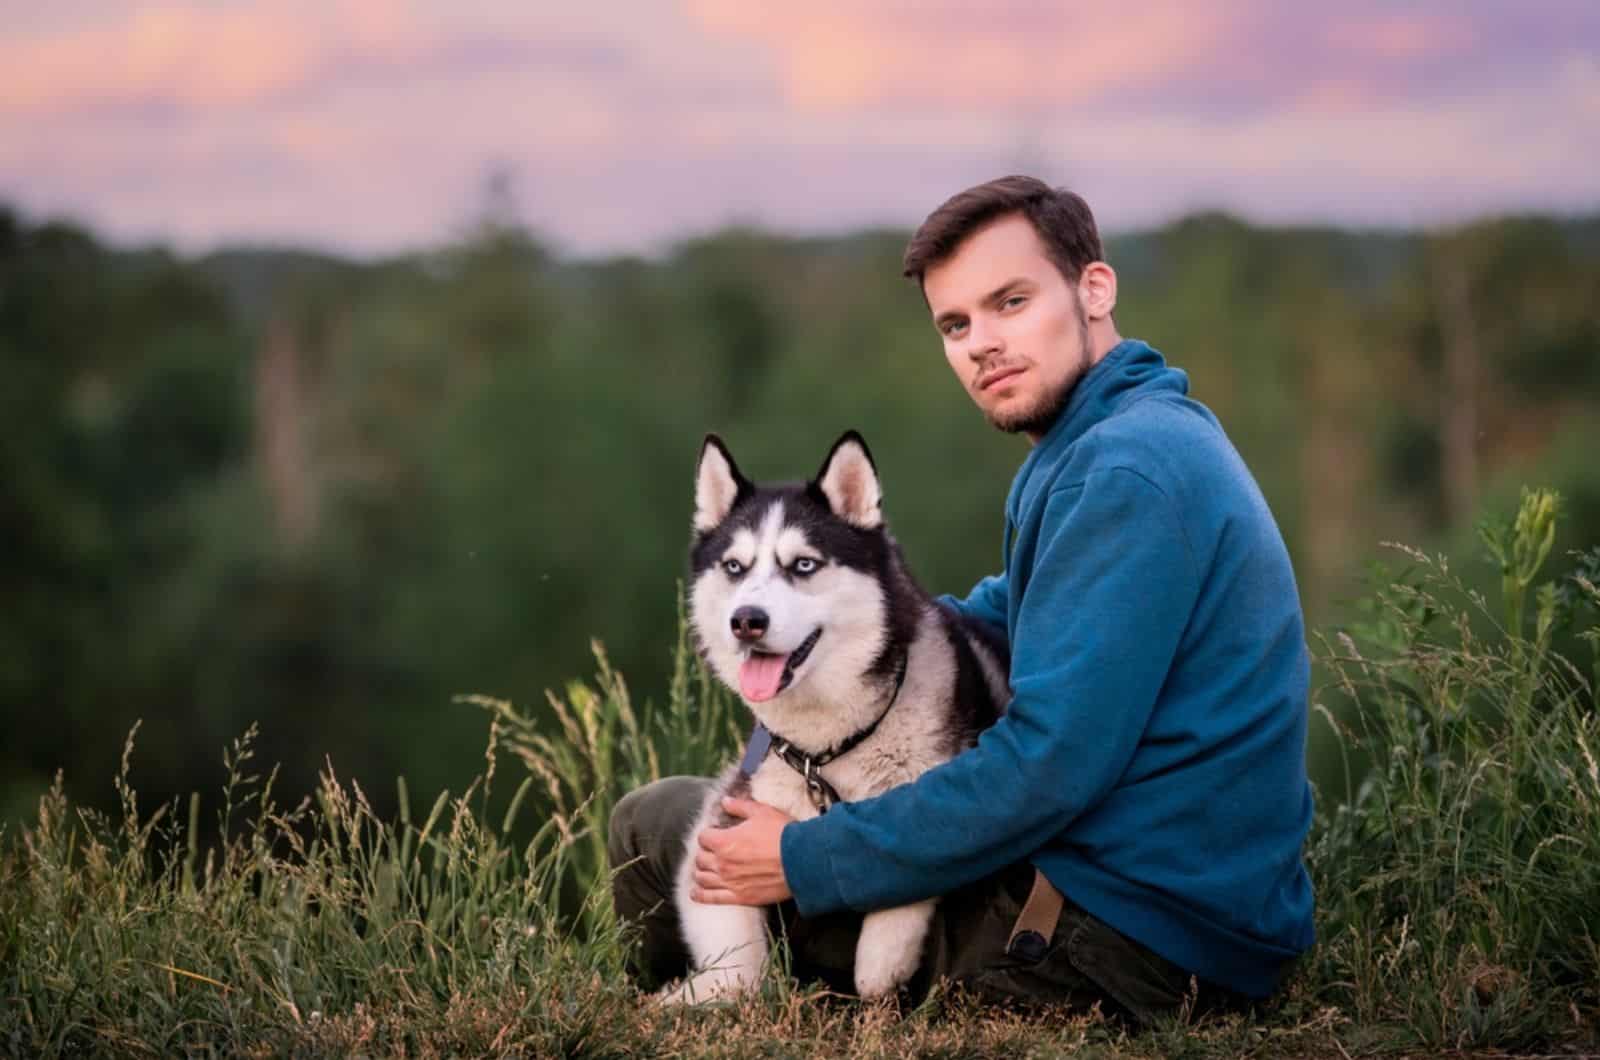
point(124, 405)
point(1459, 888)
point(337, 494)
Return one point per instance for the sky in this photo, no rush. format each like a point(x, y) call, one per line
point(373, 126)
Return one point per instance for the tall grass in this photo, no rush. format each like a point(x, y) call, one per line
point(605, 748)
point(119, 939)
point(324, 927)
point(1459, 886)
point(1459, 889)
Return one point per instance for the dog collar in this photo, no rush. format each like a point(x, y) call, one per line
point(822, 794)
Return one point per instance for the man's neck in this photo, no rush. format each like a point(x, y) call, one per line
point(1103, 338)
point(1101, 342)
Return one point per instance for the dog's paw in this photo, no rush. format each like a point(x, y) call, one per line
point(712, 985)
point(882, 972)
point(890, 948)
point(673, 996)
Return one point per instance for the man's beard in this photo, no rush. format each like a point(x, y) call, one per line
point(1037, 418)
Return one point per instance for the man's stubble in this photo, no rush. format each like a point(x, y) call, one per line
point(1036, 420)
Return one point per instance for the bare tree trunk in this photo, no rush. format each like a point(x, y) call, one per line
point(1335, 468)
point(280, 430)
point(1458, 392)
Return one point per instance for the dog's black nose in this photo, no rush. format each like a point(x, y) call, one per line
point(749, 623)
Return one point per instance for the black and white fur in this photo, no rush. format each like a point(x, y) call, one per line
point(817, 560)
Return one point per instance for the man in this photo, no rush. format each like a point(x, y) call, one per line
point(1150, 766)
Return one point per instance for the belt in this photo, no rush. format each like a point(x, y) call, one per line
point(1030, 935)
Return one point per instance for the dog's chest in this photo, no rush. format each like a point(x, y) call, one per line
point(880, 763)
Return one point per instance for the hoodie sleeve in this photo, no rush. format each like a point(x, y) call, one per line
point(987, 602)
point(1111, 589)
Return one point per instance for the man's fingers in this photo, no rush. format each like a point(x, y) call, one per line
point(712, 897)
point(740, 808)
point(712, 839)
point(705, 862)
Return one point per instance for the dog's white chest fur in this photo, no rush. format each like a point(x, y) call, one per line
point(906, 744)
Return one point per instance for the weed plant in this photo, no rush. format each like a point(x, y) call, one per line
point(1459, 889)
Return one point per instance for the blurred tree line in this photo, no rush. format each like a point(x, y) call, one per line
point(329, 495)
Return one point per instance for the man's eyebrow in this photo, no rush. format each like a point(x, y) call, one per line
point(992, 298)
point(996, 296)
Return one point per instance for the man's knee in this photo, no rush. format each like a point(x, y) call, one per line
point(621, 830)
point(646, 839)
point(654, 821)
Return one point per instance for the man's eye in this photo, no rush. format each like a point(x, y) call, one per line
point(1015, 300)
point(733, 567)
point(953, 327)
point(806, 565)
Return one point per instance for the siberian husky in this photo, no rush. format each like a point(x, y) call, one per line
point(802, 603)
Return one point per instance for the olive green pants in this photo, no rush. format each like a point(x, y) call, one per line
point(1086, 961)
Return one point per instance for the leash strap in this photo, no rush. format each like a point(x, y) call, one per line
point(1030, 935)
point(756, 750)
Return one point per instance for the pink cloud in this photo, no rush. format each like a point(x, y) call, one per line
point(1405, 35)
point(186, 55)
point(1167, 55)
point(835, 54)
point(369, 123)
point(171, 54)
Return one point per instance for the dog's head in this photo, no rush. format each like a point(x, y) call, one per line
point(788, 599)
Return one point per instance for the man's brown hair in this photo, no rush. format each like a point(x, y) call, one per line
point(1062, 219)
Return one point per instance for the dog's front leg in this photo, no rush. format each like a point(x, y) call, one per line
point(890, 947)
point(729, 947)
point(727, 944)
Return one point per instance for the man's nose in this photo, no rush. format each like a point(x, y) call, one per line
point(983, 341)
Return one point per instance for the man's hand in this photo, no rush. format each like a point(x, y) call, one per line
point(743, 863)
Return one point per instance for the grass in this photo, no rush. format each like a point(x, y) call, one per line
point(1459, 885)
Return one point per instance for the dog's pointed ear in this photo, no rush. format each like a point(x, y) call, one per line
point(718, 486)
point(849, 482)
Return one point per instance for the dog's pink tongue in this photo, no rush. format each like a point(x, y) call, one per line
point(760, 675)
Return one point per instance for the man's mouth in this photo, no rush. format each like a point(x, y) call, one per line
point(999, 375)
point(763, 675)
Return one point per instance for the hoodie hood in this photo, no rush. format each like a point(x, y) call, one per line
point(1130, 371)
point(1128, 367)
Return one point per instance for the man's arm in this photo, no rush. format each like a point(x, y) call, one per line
point(987, 602)
point(1109, 597)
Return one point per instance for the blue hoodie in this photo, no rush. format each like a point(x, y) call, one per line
point(1151, 762)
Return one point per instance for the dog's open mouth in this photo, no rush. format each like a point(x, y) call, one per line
point(763, 675)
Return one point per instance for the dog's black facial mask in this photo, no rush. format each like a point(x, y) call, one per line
point(840, 510)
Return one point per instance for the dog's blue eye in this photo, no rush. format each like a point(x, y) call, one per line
point(733, 567)
point(805, 565)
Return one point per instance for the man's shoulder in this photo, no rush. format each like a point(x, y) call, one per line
point(1159, 418)
point(1170, 440)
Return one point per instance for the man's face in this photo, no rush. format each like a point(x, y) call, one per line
point(1013, 327)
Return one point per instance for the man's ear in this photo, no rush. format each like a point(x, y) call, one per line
point(718, 486)
point(1097, 290)
point(849, 482)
